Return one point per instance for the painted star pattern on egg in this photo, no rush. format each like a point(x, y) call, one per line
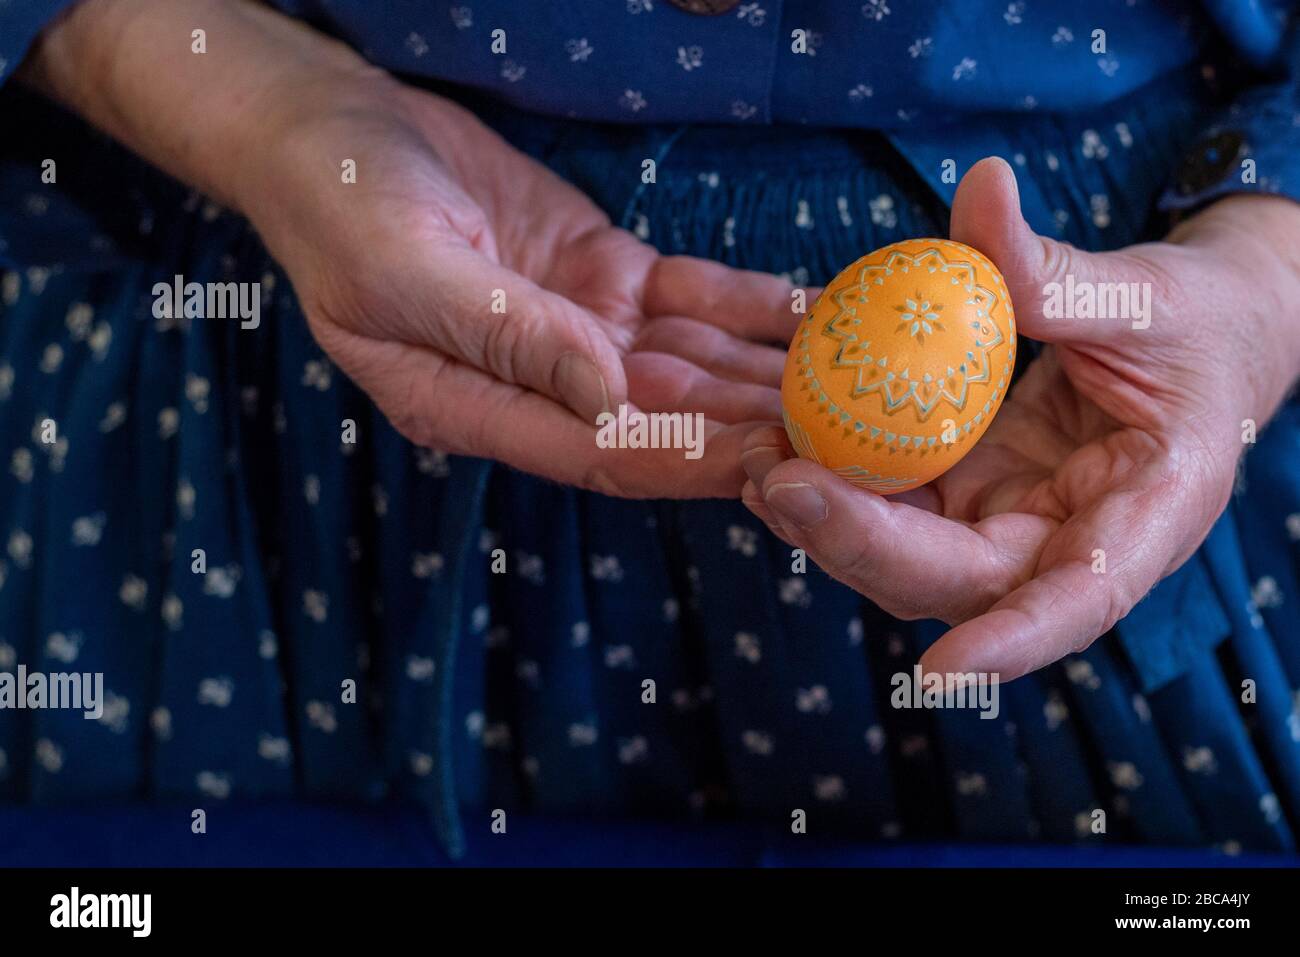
point(901, 364)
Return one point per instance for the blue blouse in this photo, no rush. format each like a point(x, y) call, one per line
point(946, 80)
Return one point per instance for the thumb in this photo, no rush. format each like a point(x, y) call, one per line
point(986, 215)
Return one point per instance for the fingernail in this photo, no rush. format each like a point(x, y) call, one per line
point(798, 503)
point(757, 462)
point(580, 384)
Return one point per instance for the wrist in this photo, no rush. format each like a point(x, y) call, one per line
point(294, 137)
point(202, 107)
point(1251, 243)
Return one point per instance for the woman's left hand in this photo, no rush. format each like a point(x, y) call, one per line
point(1109, 460)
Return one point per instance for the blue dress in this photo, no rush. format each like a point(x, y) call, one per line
point(329, 563)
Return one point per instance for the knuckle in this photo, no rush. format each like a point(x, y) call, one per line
point(1057, 259)
point(505, 346)
point(1084, 639)
point(858, 556)
point(405, 417)
point(479, 435)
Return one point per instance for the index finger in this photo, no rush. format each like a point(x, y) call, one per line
point(1072, 600)
point(754, 305)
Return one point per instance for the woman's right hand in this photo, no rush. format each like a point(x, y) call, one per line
point(487, 306)
point(1111, 458)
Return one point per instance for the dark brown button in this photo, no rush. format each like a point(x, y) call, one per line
point(1209, 162)
point(705, 8)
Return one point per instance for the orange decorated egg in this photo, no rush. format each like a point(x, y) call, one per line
point(901, 364)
